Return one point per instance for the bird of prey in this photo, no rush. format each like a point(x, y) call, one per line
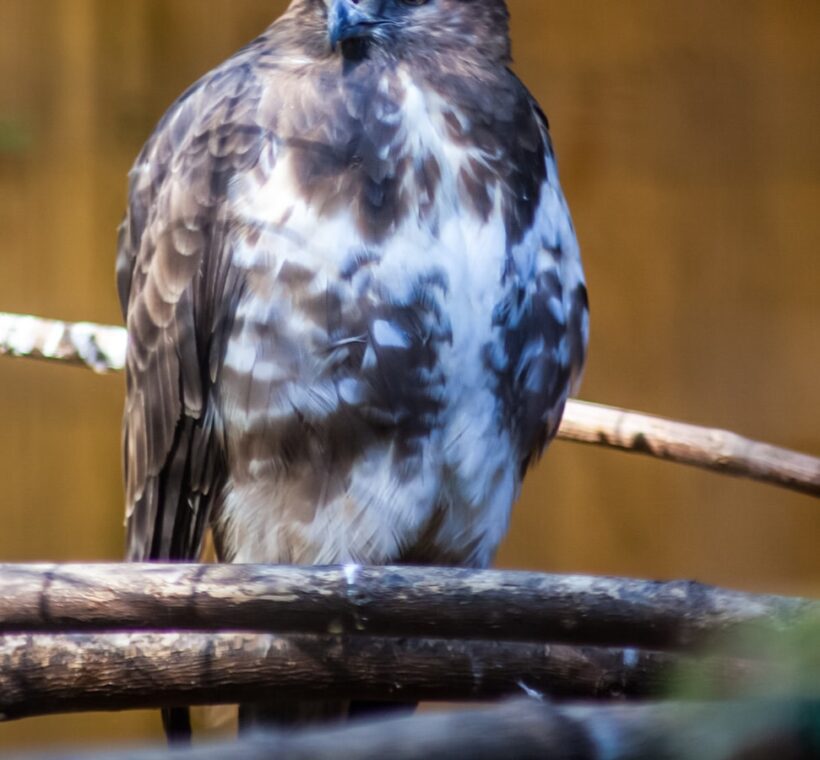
point(353, 292)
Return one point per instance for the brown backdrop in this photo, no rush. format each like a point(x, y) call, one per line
point(687, 133)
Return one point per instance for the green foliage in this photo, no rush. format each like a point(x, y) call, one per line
point(777, 695)
point(785, 664)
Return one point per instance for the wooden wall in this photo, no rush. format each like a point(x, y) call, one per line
point(688, 140)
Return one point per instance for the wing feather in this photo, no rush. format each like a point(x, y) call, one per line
point(544, 319)
point(175, 285)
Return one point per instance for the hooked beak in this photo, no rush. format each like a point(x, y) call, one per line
point(346, 20)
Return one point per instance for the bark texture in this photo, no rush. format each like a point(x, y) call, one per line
point(43, 674)
point(386, 601)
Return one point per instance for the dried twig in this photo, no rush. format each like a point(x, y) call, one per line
point(532, 730)
point(102, 348)
point(385, 601)
point(98, 347)
point(44, 673)
point(708, 448)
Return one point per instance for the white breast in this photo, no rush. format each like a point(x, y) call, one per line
point(468, 470)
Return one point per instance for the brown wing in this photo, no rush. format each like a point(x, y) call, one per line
point(177, 289)
point(544, 319)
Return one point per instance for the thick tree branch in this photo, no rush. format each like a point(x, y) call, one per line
point(385, 601)
point(102, 348)
point(532, 730)
point(42, 674)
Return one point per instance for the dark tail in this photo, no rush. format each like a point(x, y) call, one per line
point(289, 713)
point(372, 710)
point(177, 724)
point(295, 713)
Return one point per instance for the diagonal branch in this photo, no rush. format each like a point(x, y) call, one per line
point(708, 448)
point(102, 348)
point(387, 601)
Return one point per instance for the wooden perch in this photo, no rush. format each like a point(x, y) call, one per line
point(532, 730)
point(385, 601)
point(102, 348)
point(44, 673)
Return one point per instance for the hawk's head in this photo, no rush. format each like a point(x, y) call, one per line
point(412, 28)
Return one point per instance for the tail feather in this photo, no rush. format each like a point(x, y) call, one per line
point(360, 710)
point(289, 713)
point(177, 724)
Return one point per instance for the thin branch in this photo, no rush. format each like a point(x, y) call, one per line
point(707, 448)
point(385, 601)
point(532, 730)
point(82, 344)
point(43, 674)
point(102, 348)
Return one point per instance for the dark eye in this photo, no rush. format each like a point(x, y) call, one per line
point(415, 2)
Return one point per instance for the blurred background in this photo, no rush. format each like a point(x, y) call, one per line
point(688, 137)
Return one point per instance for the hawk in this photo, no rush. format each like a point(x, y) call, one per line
point(353, 292)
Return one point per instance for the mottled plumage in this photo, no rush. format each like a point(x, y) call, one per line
point(353, 292)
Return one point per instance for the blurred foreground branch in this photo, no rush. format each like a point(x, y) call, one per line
point(102, 348)
point(386, 601)
point(532, 730)
point(42, 674)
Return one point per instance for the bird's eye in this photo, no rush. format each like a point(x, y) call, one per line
point(415, 2)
